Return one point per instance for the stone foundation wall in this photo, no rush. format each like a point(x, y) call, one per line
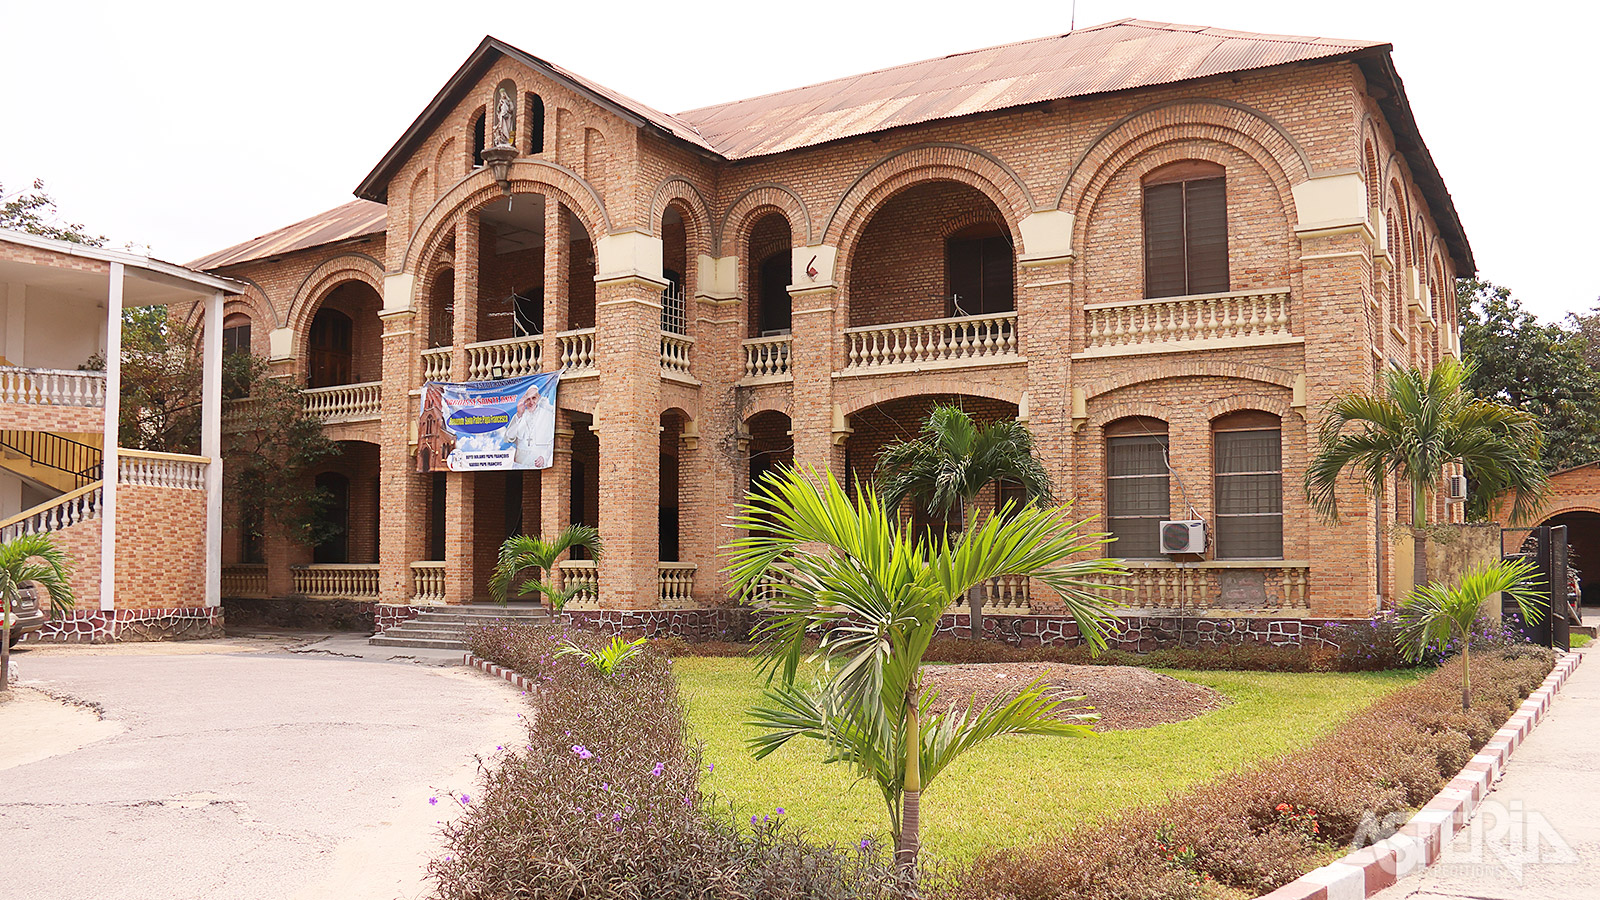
point(388, 615)
point(104, 627)
point(288, 612)
point(725, 623)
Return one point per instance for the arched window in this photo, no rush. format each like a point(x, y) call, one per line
point(1137, 486)
point(533, 107)
point(1185, 230)
point(480, 137)
point(979, 271)
point(331, 336)
point(1247, 461)
point(235, 343)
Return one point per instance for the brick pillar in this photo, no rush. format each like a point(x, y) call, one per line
point(403, 497)
point(711, 464)
point(628, 342)
point(816, 352)
point(555, 483)
point(1044, 324)
point(556, 252)
point(460, 517)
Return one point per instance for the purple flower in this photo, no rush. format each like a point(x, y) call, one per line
point(754, 820)
point(710, 767)
point(605, 786)
point(582, 751)
point(780, 810)
point(466, 799)
point(866, 843)
point(660, 767)
point(433, 801)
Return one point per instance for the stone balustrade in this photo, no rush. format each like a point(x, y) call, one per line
point(336, 581)
point(578, 351)
point(767, 358)
point(1170, 324)
point(361, 402)
point(1212, 585)
point(245, 580)
point(177, 471)
point(584, 574)
point(55, 514)
point(934, 343)
point(675, 350)
point(436, 364)
point(676, 582)
point(52, 387)
point(513, 357)
point(427, 581)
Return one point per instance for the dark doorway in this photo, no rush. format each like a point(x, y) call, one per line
point(1583, 541)
point(774, 298)
point(335, 548)
point(436, 500)
point(331, 337)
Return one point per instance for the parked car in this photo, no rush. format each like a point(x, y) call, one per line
point(29, 614)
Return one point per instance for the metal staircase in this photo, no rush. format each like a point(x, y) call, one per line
point(49, 459)
point(447, 627)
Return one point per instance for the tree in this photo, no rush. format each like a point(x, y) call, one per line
point(945, 470)
point(520, 553)
point(36, 558)
point(1540, 368)
point(162, 377)
point(1587, 325)
point(1432, 615)
point(33, 211)
point(1416, 425)
point(875, 592)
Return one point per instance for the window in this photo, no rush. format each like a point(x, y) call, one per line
point(1185, 230)
point(330, 349)
point(1137, 486)
point(774, 302)
point(479, 138)
point(235, 343)
point(335, 519)
point(979, 271)
point(236, 336)
point(1247, 456)
point(535, 127)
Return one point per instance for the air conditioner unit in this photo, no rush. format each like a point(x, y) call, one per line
point(1183, 536)
point(1458, 488)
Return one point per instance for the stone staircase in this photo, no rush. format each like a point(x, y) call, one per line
point(446, 627)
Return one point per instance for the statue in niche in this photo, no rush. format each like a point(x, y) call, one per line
point(505, 119)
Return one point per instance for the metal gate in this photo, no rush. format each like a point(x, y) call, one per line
point(1546, 547)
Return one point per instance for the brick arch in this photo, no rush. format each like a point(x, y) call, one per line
point(1221, 121)
point(679, 189)
point(935, 385)
point(770, 401)
point(746, 209)
point(1183, 367)
point(1111, 412)
point(528, 176)
point(927, 162)
point(1580, 506)
point(324, 278)
point(251, 302)
point(1270, 403)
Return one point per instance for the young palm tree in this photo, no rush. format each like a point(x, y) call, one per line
point(876, 592)
point(1416, 425)
point(36, 558)
point(1433, 613)
point(520, 553)
point(945, 469)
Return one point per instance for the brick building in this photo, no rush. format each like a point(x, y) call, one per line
point(1151, 242)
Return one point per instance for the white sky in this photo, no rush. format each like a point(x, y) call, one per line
point(188, 127)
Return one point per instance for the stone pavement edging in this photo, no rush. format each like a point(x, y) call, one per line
point(522, 682)
point(1421, 840)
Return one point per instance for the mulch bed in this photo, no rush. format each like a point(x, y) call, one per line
point(1125, 696)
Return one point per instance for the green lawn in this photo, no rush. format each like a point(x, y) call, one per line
point(1017, 788)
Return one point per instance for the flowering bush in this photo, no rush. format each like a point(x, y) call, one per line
point(1297, 817)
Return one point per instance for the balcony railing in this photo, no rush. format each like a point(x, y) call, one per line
point(675, 350)
point(436, 364)
point(513, 357)
point(245, 580)
point(676, 581)
point(577, 351)
point(427, 581)
point(177, 471)
point(52, 387)
point(768, 357)
point(1164, 585)
point(345, 402)
point(337, 581)
point(584, 575)
point(934, 343)
point(56, 513)
point(1176, 323)
point(1005, 595)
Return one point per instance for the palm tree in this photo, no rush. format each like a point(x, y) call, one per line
point(876, 592)
point(1433, 613)
point(946, 468)
point(522, 552)
point(36, 558)
point(1416, 425)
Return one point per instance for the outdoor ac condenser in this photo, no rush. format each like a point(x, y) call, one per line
point(1183, 536)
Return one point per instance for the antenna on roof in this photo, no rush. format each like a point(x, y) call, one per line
point(1072, 24)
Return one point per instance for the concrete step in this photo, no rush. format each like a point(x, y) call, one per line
point(457, 619)
point(383, 640)
point(445, 634)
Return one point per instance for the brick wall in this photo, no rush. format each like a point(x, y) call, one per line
point(899, 271)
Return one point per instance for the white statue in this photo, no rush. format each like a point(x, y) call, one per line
point(505, 119)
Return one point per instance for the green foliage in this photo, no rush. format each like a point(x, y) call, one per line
point(1412, 428)
point(33, 211)
point(1551, 371)
point(36, 558)
point(521, 553)
point(946, 468)
point(608, 657)
point(162, 372)
point(1434, 615)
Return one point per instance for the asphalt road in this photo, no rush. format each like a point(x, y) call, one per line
point(246, 775)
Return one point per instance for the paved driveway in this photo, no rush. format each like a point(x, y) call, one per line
point(246, 775)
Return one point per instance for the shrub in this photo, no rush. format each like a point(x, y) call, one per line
point(1231, 657)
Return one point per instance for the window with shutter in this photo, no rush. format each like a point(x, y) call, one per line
point(1185, 230)
point(1247, 458)
point(980, 272)
point(1137, 486)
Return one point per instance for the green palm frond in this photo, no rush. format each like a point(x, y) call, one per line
point(953, 459)
point(520, 553)
point(36, 558)
point(1434, 614)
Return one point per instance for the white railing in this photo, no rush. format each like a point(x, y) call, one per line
point(676, 581)
point(675, 353)
point(1004, 595)
point(514, 357)
point(52, 387)
point(584, 575)
point(336, 581)
point(247, 580)
point(436, 364)
point(345, 402)
point(427, 581)
point(1198, 318)
point(959, 341)
point(577, 350)
point(71, 508)
point(143, 468)
point(767, 357)
point(770, 587)
point(1198, 585)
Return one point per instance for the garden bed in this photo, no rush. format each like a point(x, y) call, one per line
point(1123, 696)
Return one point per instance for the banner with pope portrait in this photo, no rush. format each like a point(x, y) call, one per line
point(479, 426)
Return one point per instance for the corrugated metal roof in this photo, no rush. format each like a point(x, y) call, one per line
point(1114, 57)
point(354, 219)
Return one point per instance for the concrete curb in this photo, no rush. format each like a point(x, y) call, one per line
point(521, 682)
point(1420, 841)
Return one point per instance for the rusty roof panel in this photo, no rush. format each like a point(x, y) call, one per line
point(354, 219)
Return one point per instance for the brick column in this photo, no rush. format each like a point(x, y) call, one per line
point(815, 354)
point(711, 465)
point(555, 483)
point(460, 517)
point(628, 420)
point(556, 252)
point(1044, 336)
point(403, 499)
